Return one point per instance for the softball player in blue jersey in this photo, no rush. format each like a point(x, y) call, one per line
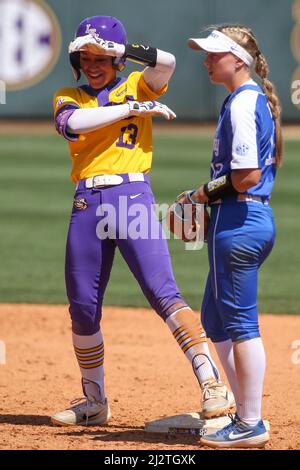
point(247, 151)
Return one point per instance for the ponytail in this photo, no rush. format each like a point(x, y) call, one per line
point(262, 70)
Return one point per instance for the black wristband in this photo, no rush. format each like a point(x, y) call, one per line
point(145, 55)
point(219, 188)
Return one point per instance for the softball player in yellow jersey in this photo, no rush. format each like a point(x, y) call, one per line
point(108, 126)
point(113, 149)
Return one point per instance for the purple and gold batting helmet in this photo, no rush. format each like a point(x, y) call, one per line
point(108, 28)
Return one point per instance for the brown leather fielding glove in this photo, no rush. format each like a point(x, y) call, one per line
point(188, 220)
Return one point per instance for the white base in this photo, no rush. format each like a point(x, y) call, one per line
point(190, 423)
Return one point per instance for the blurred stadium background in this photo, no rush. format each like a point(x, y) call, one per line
point(35, 191)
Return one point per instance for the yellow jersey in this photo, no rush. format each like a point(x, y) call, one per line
point(122, 147)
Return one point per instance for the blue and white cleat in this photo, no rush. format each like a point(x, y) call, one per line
point(238, 434)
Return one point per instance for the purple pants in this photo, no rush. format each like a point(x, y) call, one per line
point(90, 252)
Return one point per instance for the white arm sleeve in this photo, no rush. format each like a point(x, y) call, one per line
point(89, 119)
point(245, 153)
point(157, 77)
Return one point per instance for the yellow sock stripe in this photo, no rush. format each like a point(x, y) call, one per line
point(184, 327)
point(90, 350)
point(183, 338)
point(92, 366)
point(191, 334)
point(90, 358)
point(193, 343)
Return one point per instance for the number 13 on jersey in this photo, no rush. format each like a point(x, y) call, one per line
point(128, 136)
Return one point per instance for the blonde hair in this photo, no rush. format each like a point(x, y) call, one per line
point(245, 38)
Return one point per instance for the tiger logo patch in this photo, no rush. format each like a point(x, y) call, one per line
point(80, 203)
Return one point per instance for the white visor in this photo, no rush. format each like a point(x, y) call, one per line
point(219, 42)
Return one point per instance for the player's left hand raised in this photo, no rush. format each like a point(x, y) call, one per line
point(150, 108)
point(97, 46)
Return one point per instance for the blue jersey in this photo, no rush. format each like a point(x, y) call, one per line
point(245, 137)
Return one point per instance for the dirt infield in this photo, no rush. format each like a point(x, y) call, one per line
point(146, 377)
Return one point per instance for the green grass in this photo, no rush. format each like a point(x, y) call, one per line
point(36, 199)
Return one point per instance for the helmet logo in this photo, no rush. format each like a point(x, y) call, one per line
point(91, 31)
